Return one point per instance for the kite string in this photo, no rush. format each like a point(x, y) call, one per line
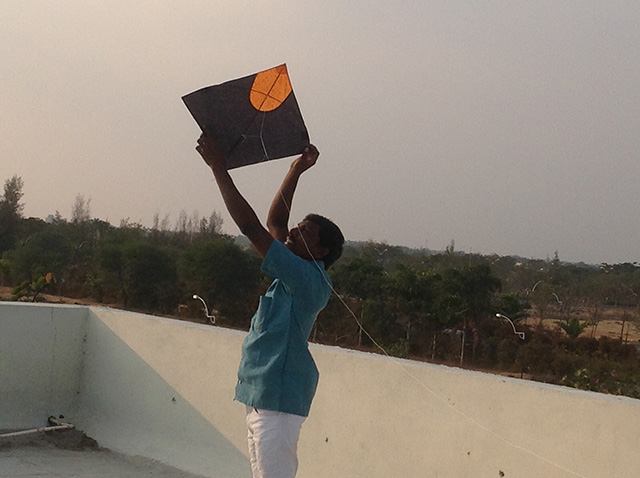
point(416, 379)
point(260, 137)
point(264, 147)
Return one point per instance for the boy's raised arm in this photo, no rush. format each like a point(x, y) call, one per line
point(241, 212)
point(278, 217)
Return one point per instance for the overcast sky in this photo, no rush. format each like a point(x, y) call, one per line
point(509, 127)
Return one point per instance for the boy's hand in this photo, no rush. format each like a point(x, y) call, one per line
point(211, 153)
point(307, 160)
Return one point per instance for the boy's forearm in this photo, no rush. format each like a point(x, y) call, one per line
point(242, 213)
point(278, 217)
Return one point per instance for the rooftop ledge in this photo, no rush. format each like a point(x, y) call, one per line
point(161, 390)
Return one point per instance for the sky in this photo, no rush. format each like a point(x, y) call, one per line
point(507, 127)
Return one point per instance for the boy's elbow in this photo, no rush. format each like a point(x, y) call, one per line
point(249, 229)
point(275, 224)
point(278, 230)
point(258, 235)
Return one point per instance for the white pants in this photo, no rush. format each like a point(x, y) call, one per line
point(273, 443)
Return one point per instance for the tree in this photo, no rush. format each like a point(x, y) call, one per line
point(541, 295)
point(190, 228)
point(81, 210)
point(149, 278)
point(365, 280)
point(224, 275)
point(4, 269)
point(214, 225)
point(474, 287)
point(361, 277)
point(412, 301)
point(13, 194)
point(108, 281)
point(33, 288)
point(512, 306)
point(46, 251)
point(10, 212)
point(572, 327)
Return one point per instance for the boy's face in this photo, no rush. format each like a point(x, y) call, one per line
point(304, 241)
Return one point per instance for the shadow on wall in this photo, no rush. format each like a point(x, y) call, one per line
point(127, 396)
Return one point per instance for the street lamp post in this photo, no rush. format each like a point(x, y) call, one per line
point(212, 318)
point(519, 334)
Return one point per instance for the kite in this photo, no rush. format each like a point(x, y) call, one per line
point(252, 119)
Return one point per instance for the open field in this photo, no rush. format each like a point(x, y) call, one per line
point(605, 328)
point(5, 294)
point(610, 323)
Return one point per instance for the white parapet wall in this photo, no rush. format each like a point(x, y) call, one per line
point(162, 388)
point(41, 351)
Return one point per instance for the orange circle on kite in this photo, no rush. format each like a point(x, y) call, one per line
point(270, 88)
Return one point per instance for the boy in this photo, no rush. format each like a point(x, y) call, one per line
point(277, 377)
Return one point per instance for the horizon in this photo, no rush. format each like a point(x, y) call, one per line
point(239, 237)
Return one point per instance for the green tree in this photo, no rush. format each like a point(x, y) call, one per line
point(81, 210)
point(512, 305)
point(224, 275)
point(365, 281)
point(474, 288)
point(412, 299)
point(33, 288)
point(149, 278)
point(107, 282)
point(572, 327)
point(5, 268)
point(10, 212)
point(46, 251)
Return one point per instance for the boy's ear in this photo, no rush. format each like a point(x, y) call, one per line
point(324, 251)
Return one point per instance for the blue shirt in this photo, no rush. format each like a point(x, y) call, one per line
point(277, 371)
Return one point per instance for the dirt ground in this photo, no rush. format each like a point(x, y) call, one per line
point(609, 323)
point(5, 294)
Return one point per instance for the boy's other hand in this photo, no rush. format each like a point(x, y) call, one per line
point(308, 158)
point(211, 153)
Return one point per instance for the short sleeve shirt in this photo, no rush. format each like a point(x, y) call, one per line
point(277, 371)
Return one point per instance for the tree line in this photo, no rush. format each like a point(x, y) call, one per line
point(449, 307)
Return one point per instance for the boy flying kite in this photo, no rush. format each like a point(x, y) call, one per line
point(277, 377)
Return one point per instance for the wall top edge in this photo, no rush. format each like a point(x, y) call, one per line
point(10, 303)
point(104, 311)
point(416, 364)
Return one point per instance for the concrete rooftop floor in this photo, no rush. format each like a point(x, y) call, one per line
point(51, 462)
point(70, 454)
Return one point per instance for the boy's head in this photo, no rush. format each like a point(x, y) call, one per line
point(316, 237)
point(330, 237)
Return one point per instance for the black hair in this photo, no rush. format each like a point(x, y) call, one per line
point(330, 237)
